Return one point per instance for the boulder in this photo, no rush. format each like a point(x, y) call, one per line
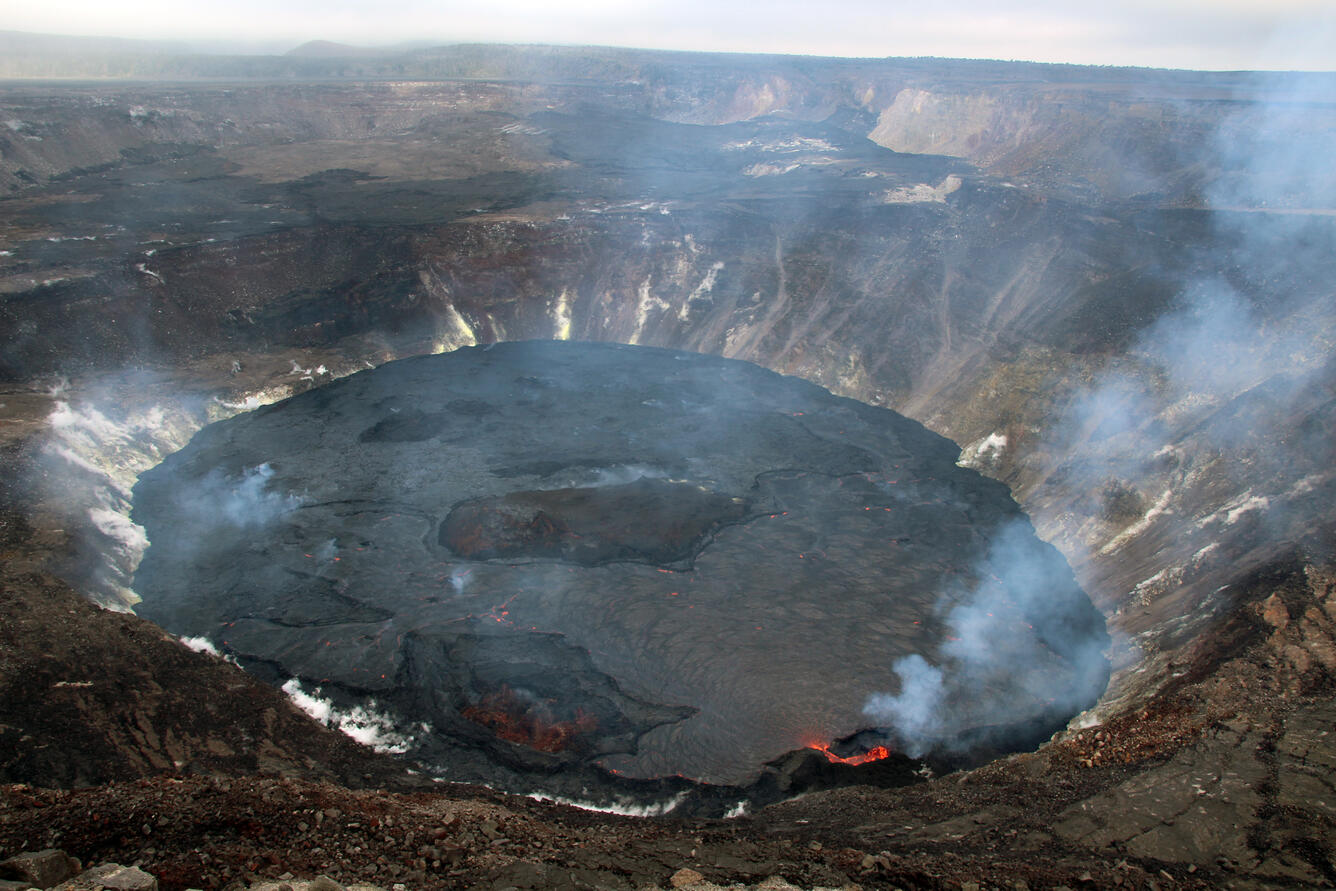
point(685, 878)
point(41, 869)
point(111, 877)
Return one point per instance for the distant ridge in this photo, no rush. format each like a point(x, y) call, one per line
point(328, 49)
point(26, 42)
point(27, 55)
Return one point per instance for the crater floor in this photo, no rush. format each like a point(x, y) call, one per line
point(552, 554)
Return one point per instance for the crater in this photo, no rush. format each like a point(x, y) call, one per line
point(682, 565)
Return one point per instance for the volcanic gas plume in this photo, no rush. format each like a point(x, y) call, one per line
point(538, 556)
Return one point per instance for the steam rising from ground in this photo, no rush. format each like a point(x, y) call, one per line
point(1257, 321)
point(201, 645)
point(1220, 376)
point(624, 807)
point(915, 713)
point(239, 501)
point(96, 447)
point(102, 436)
point(1224, 391)
point(1226, 333)
point(936, 703)
point(363, 723)
point(1213, 347)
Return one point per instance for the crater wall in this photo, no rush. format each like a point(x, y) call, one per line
point(1042, 303)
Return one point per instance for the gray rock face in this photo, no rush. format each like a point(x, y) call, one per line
point(657, 562)
point(1176, 813)
point(41, 869)
point(1252, 798)
point(111, 877)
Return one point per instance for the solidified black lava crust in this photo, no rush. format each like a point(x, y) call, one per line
point(649, 520)
point(548, 557)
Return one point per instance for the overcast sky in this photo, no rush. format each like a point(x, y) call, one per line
point(1211, 34)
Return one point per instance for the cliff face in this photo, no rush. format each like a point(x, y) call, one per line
point(371, 220)
point(1112, 289)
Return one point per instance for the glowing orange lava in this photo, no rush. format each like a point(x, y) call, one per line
point(530, 724)
point(876, 753)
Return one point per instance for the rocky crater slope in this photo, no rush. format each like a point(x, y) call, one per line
point(1111, 288)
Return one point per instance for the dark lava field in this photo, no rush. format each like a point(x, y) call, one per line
point(846, 473)
point(658, 562)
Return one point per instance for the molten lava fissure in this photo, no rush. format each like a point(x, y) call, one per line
point(876, 753)
point(520, 720)
point(546, 557)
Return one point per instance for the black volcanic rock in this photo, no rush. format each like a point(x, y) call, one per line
point(648, 520)
point(548, 555)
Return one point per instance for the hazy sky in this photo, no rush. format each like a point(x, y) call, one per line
point(1164, 33)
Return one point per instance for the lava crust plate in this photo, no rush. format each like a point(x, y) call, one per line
point(651, 561)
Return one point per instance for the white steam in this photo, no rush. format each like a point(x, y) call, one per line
point(90, 461)
point(244, 501)
point(364, 723)
point(914, 712)
point(459, 578)
point(1215, 345)
point(1229, 362)
point(128, 535)
point(201, 645)
point(1201, 432)
point(621, 807)
point(1013, 651)
point(615, 475)
point(984, 452)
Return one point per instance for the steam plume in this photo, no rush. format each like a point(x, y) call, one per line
point(247, 501)
point(1008, 630)
point(1206, 405)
